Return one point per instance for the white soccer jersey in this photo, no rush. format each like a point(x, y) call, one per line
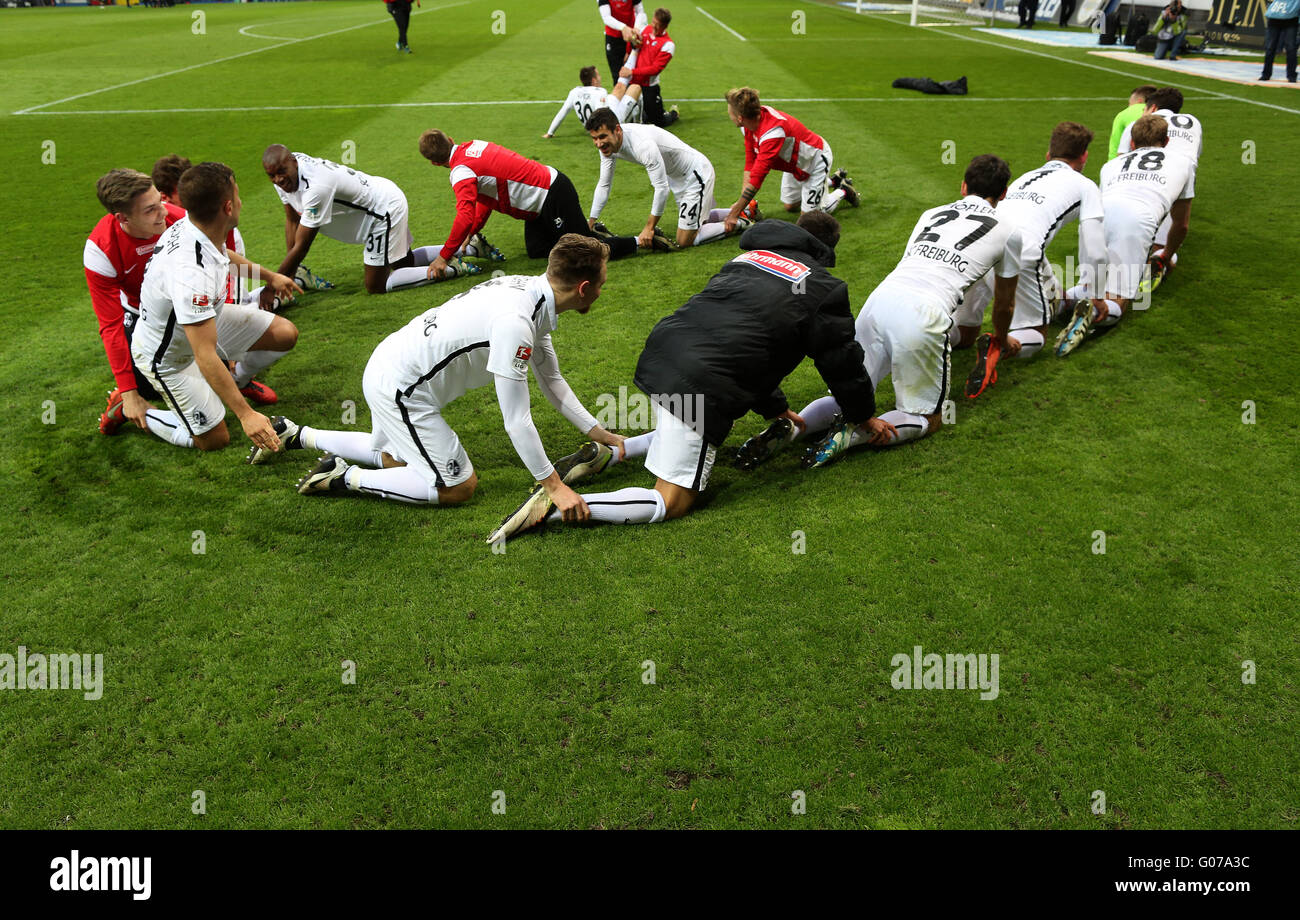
point(673, 166)
point(582, 101)
point(340, 200)
point(490, 330)
point(1040, 202)
point(1184, 138)
point(1149, 179)
point(184, 283)
point(952, 246)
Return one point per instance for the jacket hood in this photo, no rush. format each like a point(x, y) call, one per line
point(780, 234)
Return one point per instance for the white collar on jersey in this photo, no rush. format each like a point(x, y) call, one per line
point(540, 287)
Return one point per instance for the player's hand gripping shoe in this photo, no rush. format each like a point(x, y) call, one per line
point(458, 267)
point(662, 242)
point(763, 445)
point(325, 476)
point(588, 460)
point(114, 416)
point(1077, 330)
point(532, 513)
point(985, 372)
point(835, 443)
point(289, 440)
point(308, 280)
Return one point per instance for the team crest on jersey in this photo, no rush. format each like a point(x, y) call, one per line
point(453, 467)
point(313, 212)
point(200, 417)
point(773, 264)
point(522, 354)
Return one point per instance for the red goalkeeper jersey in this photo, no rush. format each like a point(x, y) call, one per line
point(488, 177)
point(780, 143)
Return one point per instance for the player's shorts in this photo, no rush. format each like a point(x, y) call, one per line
point(695, 200)
point(679, 454)
point(387, 236)
point(186, 391)
point(411, 428)
point(904, 335)
point(1129, 232)
point(812, 190)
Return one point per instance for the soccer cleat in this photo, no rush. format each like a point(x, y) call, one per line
point(601, 230)
point(767, 442)
point(532, 513)
point(662, 242)
point(837, 177)
point(259, 393)
point(482, 249)
point(850, 193)
point(671, 118)
point(325, 476)
point(308, 280)
point(752, 212)
point(288, 434)
point(1072, 336)
point(742, 224)
point(835, 443)
point(588, 460)
point(985, 372)
point(458, 267)
point(114, 416)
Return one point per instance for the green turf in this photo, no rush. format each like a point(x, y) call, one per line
point(522, 672)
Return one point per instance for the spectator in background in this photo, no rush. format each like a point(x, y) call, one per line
point(400, 10)
point(1281, 17)
point(1067, 10)
point(1170, 30)
point(1028, 12)
point(644, 65)
point(1137, 103)
point(623, 21)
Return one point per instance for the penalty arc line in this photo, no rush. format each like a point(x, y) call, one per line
point(284, 43)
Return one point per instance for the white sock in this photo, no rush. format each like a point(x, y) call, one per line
point(400, 483)
point(832, 200)
point(716, 215)
point(352, 446)
point(1113, 314)
point(1078, 292)
point(403, 278)
point(634, 447)
point(252, 363)
point(1031, 341)
point(818, 414)
point(710, 232)
point(167, 425)
point(254, 295)
point(626, 506)
point(424, 255)
point(909, 427)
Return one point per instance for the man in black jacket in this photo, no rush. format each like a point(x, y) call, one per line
point(721, 355)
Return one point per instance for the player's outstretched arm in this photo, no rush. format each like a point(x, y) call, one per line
point(302, 240)
point(830, 341)
point(291, 218)
point(203, 341)
point(512, 395)
point(277, 285)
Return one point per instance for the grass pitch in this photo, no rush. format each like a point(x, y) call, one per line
point(524, 672)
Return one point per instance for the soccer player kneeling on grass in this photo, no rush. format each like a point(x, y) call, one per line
point(490, 334)
point(906, 328)
point(674, 166)
point(186, 327)
point(1039, 203)
point(775, 140)
point(722, 354)
point(584, 100)
point(1138, 191)
point(351, 207)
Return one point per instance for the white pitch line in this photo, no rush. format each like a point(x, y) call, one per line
point(555, 102)
point(1089, 64)
point(721, 23)
point(35, 109)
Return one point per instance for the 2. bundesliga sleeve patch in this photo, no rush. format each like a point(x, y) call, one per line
point(201, 302)
point(522, 354)
point(773, 264)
